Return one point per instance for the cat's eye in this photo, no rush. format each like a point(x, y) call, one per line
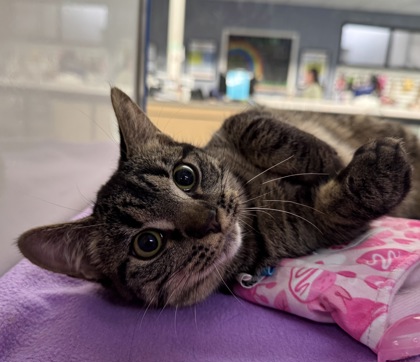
point(147, 244)
point(184, 177)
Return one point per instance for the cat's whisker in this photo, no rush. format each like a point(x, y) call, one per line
point(88, 226)
point(283, 201)
point(176, 311)
point(221, 181)
point(134, 335)
point(145, 311)
point(53, 203)
point(195, 316)
point(76, 227)
point(89, 201)
point(108, 134)
point(183, 280)
point(174, 274)
point(285, 212)
point(295, 203)
point(248, 192)
point(246, 217)
point(195, 307)
point(268, 169)
point(254, 198)
point(263, 212)
point(245, 191)
point(246, 233)
point(169, 298)
point(296, 174)
point(223, 281)
point(244, 222)
point(224, 181)
point(245, 214)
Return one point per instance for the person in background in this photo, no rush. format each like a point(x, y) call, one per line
point(313, 89)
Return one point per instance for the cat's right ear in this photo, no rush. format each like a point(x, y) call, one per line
point(134, 125)
point(62, 248)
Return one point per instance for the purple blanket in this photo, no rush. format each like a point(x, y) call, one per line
point(50, 317)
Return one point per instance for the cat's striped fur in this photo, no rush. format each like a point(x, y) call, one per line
point(176, 222)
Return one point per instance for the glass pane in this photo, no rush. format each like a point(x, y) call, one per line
point(58, 139)
point(266, 57)
point(84, 23)
point(364, 45)
point(405, 49)
point(400, 44)
point(413, 58)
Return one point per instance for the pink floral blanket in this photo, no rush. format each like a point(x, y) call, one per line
point(364, 287)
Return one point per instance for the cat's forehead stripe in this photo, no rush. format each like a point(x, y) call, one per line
point(125, 217)
point(187, 149)
point(122, 271)
point(135, 192)
point(154, 171)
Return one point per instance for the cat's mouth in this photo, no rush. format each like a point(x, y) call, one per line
point(229, 242)
point(203, 278)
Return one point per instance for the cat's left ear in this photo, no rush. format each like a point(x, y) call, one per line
point(62, 248)
point(135, 127)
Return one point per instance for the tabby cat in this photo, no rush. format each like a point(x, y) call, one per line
point(176, 222)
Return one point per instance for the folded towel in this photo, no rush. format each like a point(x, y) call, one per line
point(50, 317)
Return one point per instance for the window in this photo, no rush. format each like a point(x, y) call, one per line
point(374, 46)
point(413, 53)
point(364, 45)
point(84, 23)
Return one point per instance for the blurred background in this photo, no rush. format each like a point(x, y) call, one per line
point(190, 63)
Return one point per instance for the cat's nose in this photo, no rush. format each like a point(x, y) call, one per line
point(204, 225)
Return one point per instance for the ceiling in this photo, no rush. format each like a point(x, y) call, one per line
point(411, 7)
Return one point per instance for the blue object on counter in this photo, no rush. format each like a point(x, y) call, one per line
point(238, 83)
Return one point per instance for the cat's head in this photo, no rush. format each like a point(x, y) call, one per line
point(165, 227)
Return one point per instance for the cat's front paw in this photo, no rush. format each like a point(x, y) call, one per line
point(378, 177)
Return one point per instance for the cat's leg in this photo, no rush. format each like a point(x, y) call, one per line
point(265, 141)
point(373, 184)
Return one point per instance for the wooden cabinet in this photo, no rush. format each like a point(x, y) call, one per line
point(192, 122)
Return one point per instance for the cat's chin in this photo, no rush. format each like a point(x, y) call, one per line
point(214, 276)
point(232, 241)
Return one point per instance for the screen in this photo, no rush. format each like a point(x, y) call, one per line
point(267, 58)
